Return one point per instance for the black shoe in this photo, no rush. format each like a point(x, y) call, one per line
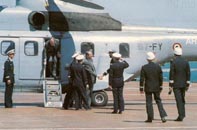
point(148, 121)
point(179, 119)
point(114, 112)
point(120, 112)
point(65, 108)
point(163, 119)
point(8, 106)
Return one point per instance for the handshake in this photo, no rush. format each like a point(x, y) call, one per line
point(100, 77)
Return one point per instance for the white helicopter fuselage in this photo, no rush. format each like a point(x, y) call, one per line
point(122, 27)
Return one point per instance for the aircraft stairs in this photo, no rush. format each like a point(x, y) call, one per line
point(52, 93)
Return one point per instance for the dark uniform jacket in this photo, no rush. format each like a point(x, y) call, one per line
point(8, 71)
point(151, 74)
point(78, 75)
point(179, 72)
point(91, 71)
point(116, 78)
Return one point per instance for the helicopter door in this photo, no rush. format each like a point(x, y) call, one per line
point(30, 60)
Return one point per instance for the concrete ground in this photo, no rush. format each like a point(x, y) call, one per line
point(29, 113)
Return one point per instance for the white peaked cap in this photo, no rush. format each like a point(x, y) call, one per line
point(80, 57)
point(75, 54)
point(150, 56)
point(116, 55)
point(12, 51)
point(178, 51)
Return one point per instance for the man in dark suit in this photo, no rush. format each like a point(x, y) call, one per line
point(151, 81)
point(79, 82)
point(8, 77)
point(179, 81)
point(116, 81)
point(91, 74)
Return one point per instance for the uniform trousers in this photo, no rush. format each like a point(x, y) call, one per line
point(179, 94)
point(118, 98)
point(69, 98)
point(149, 105)
point(8, 95)
point(81, 93)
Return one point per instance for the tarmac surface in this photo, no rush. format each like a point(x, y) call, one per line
point(29, 113)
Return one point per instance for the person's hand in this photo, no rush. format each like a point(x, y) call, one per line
point(100, 77)
point(87, 86)
point(187, 85)
point(171, 84)
point(110, 86)
point(8, 82)
point(141, 89)
point(170, 90)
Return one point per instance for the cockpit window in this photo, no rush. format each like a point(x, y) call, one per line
point(5, 45)
point(87, 46)
point(124, 50)
point(31, 48)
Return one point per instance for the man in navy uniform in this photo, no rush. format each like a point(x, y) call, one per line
point(179, 81)
point(8, 77)
point(151, 81)
point(79, 82)
point(116, 81)
point(70, 95)
point(111, 62)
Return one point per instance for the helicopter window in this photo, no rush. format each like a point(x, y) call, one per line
point(87, 46)
point(124, 50)
point(5, 45)
point(31, 48)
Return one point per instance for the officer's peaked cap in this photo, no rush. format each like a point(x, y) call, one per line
point(150, 56)
point(80, 57)
point(178, 51)
point(116, 55)
point(10, 50)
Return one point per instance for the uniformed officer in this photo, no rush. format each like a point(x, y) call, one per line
point(116, 81)
point(179, 81)
point(110, 52)
point(151, 81)
point(91, 74)
point(112, 61)
point(70, 95)
point(53, 56)
point(8, 77)
point(79, 82)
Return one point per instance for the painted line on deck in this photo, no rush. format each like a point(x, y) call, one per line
point(126, 128)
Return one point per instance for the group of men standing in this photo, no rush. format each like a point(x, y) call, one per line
point(151, 81)
point(82, 76)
